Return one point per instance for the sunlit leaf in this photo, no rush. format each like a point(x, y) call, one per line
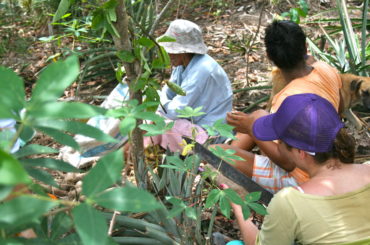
point(127, 199)
point(212, 198)
point(34, 149)
point(163, 39)
point(22, 210)
point(12, 97)
point(62, 9)
point(105, 173)
point(11, 171)
point(54, 80)
point(64, 110)
point(90, 225)
point(50, 163)
point(127, 125)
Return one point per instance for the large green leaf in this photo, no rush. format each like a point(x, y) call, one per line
point(12, 97)
point(11, 171)
point(34, 149)
point(127, 125)
point(105, 173)
point(42, 176)
point(61, 224)
point(127, 199)
point(62, 9)
point(50, 163)
point(22, 210)
point(53, 81)
point(64, 110)
point(60, 137)
point(75, 127)
point(90, 225)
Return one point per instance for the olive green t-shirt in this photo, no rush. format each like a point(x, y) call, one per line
point(310, 219)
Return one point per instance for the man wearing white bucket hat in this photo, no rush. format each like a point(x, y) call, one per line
point(200, 76)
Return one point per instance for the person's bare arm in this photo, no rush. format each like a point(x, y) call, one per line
point(244, 123)
point(247, 228)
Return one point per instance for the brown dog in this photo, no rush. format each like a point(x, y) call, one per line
point(355, 89)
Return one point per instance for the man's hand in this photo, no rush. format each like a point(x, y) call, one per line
point(243, 122)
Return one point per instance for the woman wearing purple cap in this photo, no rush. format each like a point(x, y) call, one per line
point(333, 206)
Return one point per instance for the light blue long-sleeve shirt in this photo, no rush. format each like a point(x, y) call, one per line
point(206, 84)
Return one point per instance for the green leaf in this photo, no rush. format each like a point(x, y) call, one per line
point(294, 16)
point(50, 163)
point(149, 116)
point(53, 81)
point(233, 196)
point(212, 198)
point(175, 211)
point(66, 110)
point(42, 176)
point(11, 171)
point(90, 225)
point(156, 129)
point(12, 97)
point(189, 112)
point(75, 127)
point(128, 199)
point(164, 39)
point(191, 213)
point(34, 149)
point(127, 125)
point(221, 128)
point(98, 20)
point(126, 56)
point(61, 224)
point(23, 210)
point(146, 42)
point(225, 206)
point(225, 154)
point(253, 197)
point(304, 6)
point(258, 208)
point(5, 191)
point(246, 211)
point(27, 133)
point(60, 137)
point(62, 9)
point(105, 173)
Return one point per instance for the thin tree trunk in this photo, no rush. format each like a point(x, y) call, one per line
point(132, 73)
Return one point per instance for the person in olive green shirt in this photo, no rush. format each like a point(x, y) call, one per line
point(333, 207)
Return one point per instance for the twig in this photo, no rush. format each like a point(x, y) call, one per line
point(160, 16)
point(111, 224)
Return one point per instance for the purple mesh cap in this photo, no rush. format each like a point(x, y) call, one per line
point(304, 121)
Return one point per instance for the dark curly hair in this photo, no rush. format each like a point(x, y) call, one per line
point(343, 149)
point(285, 44)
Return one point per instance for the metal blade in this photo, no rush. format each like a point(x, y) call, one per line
point(232, 173)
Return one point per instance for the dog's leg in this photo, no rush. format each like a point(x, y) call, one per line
point(352, 118)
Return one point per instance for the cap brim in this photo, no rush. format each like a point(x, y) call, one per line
point(263, 128)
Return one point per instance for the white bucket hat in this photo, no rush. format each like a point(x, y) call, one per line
point(188, 37)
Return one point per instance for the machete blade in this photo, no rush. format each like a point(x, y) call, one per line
point(231, 173)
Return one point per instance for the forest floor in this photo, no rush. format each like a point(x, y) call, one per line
point(234, 37)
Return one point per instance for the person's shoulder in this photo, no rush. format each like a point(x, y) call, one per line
point(322, 66)
point(284, 194)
